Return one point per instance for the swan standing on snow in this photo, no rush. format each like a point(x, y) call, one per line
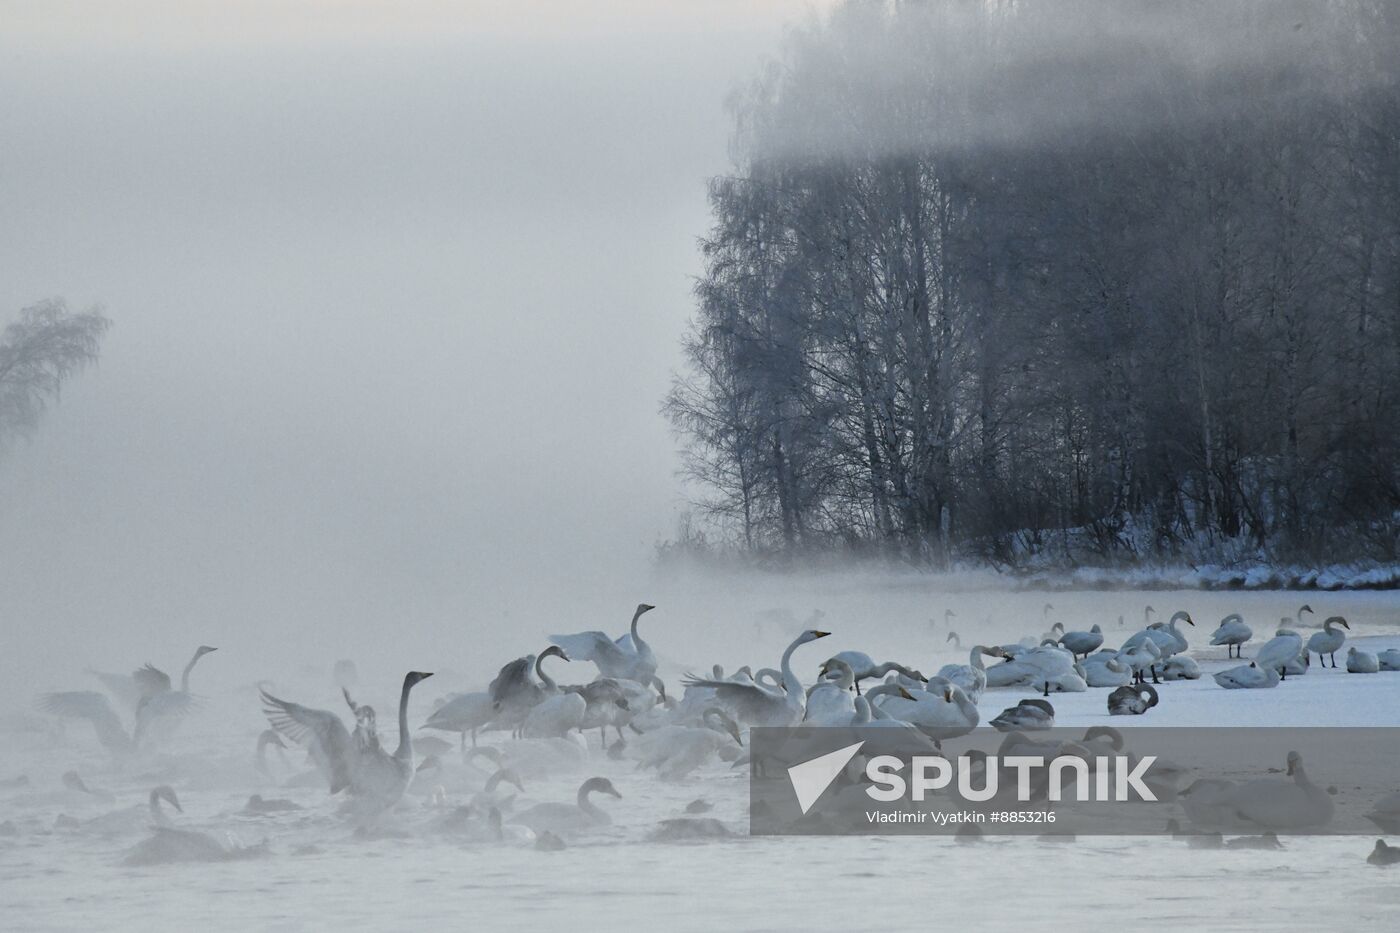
point(377, 779)
point(563, 817)
point(1082, 644)
point(1142, 657)
point(1168, 638)
point(1361, 662)
point(463, 713)
point(764, 706)
point(1329, 641)
point(628, 658)
point(1247, 677)
point(1279, 652)
point(1232, 633)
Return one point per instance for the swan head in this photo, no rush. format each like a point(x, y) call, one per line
point(952, 636)
point(643, 608)
point(167, 793)
point(409, 679)
point(1148, 611)
point(1304, 609)
point(202, 650)
point(725, 722)
point(1337, 620)
point(600, 785)
point(1182, 616)
point(996, 651)
point(811, 635)
point(553, 651)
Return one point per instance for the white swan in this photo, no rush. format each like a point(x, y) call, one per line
point(1082, 644)
point(463, 713)
point(971, 677)
point(1276, 805)
point(1046, 664)
point(629, 657)
point(1168, 637)
point(1232, 633)
point(764, 706)
point(1180, 667)
point(1362, 662)
point(830, 702)
point(567, 818)
point(863, 667)
point(555, 717)
point(1107, 669)
point(1328, 641)
point(1279, 652)
point(377, 779)
point(1389, 659)
point(942, 715)
point(675, 751)
point(1141, 657)
point(1247, 677)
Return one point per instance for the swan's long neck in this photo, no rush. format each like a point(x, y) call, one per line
point(584, 803)
point(185, 676)
point(545, 679)
point(636, 638)
point(791, 683)
point(975, 659)
point(405, 749)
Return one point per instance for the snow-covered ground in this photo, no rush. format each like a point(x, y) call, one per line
point(317, 874)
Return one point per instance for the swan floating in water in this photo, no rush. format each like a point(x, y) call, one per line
point(1362, 662)
point(566, 818)
point(376, 779)
point(1275, 805)
point(1329, 641)
point(1383, 854)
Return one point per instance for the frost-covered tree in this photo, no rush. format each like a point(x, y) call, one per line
point(38, 351)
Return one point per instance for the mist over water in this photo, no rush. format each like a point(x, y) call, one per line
point(394, 300)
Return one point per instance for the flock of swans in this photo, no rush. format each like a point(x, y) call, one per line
point(544, 725)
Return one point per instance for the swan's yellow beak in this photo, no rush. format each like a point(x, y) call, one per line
point(820, 634)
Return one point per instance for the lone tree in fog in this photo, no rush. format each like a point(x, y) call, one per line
point(1059, 279)
point(37, 352)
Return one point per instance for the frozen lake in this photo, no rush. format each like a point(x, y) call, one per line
point(318, 874)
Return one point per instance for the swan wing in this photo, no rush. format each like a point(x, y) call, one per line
point(318, 730)
point(121, 686)
point(463, 712)
point(92, 706)
point(596, 647)
point(150, 680)
point(751, 701)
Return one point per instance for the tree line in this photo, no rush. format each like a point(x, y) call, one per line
point(1002, 280)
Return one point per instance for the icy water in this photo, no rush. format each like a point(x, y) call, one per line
point(317, 875)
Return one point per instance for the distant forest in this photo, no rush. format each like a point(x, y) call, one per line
point(1059, 280)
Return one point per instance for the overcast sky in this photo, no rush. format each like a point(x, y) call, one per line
point(396, 292)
